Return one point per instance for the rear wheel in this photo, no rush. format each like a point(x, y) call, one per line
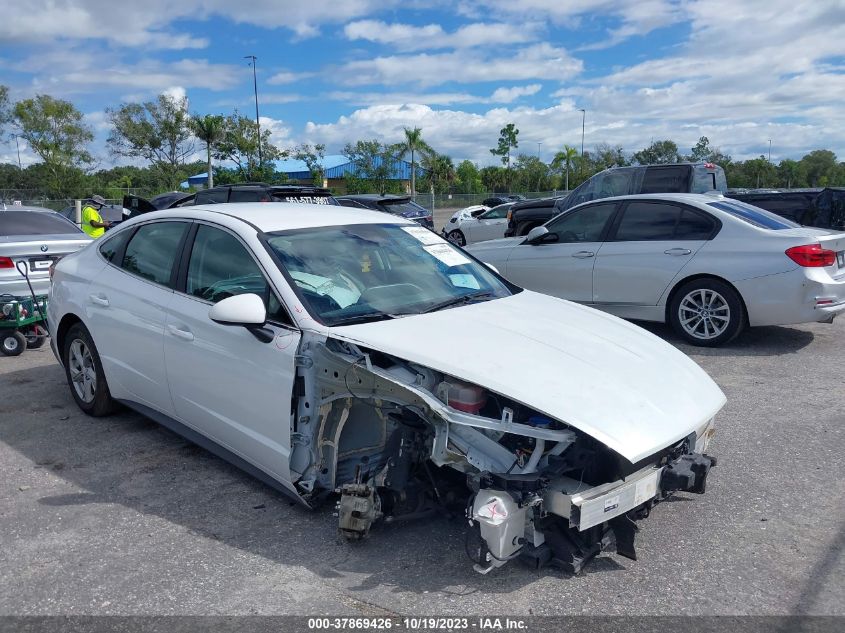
point(84, 373)
point(707, 312)
point(12, 343)
point(457, 238)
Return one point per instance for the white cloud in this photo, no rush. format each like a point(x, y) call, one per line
point(540, 61)
point(500, 95)
point(407, 37)
point(287, 77)
point(509, 95)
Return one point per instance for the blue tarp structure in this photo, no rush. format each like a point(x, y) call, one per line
point(336, 166)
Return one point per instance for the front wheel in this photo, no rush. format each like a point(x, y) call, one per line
point(84, 373)
point(12, 343)
point(457, 238)
point(707, 312)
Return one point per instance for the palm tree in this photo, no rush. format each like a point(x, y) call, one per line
point(413, 144)
point(209, 129)
point(565, 158)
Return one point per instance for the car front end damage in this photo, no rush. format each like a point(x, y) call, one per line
point(400, 441)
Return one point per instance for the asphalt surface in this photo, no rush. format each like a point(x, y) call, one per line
point(119, 516)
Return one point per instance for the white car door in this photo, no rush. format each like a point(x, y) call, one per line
point(652, 242)
point(225, 383)
point(562, 264)
point(490, 225)
point(127, 304)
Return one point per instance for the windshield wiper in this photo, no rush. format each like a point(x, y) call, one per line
point(456, 301)
point(363, 318)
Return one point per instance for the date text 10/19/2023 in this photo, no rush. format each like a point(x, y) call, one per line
point(482, 623)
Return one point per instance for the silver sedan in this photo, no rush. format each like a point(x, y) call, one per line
point(707, 265)
point(31, 239)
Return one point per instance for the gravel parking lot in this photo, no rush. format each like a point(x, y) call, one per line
point(119, 516)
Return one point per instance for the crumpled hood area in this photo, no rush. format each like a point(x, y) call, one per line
point(610, 379)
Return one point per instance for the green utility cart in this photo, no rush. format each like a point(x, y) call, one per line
point(23, 323)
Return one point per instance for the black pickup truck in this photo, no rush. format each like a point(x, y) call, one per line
point(619, 181)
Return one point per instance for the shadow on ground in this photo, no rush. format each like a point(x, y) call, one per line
point(773, 340)
point(129, 460)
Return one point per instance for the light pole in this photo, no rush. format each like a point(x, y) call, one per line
point(255, 88)
point(538, 149)
point(583, 121)
point(18, 147)
point(770, 150)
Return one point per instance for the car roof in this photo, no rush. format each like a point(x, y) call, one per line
point(11, 207)
point(278, 216)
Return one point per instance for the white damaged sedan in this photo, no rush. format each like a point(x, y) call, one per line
point(326, 351)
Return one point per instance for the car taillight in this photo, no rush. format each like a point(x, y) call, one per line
point(811, 256)
point(6, 262)
point(510, 214)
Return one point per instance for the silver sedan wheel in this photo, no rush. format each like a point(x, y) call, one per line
point(457, 238)
point(83, 375)
point(704, 314)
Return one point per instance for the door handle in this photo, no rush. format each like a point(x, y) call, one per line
point(584, 254)
point(100, 300)
point(185, 335)
point(678, 251)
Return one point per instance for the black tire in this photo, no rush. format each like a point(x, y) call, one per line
point(35, 338)
point(707, 312)
point(12, 342)
point(77, 342)
point(457, 237)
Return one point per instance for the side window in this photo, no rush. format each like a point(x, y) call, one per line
point(648, 221)
point(583, 225)
point(694, 226)
point(496, 213)
point(220, 267)
point(666, 179)
point(113, 245)
point(212, 196)
point(153, 250)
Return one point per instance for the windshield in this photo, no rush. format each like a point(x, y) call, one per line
point(35, 223)
point(754, 215)
point(365, 272)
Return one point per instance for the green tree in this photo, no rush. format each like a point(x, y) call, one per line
point(507, 141)
point(209, 129)
point(158, 131)
point(563, 161)
point(373, 163)
point(468, 178)
point(240, 146)
point(530, 174)
point(659, 152)
point(494, 179)
point(607, 155)
point(412, 145)
point(790, 173)
point(820, 167)
point(312, 156)
point(440, 172)
point(54, 129)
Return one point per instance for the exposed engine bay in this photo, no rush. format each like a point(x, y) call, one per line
point(398, 441)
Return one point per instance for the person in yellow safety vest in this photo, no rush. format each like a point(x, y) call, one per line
point(92, 223)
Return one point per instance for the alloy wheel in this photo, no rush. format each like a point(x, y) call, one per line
point(83, 374)
point(704, 314)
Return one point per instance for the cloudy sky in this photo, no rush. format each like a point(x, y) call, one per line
point(740, 72)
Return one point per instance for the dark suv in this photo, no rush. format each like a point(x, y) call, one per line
point(822, 208)
point(621, 181)
point(242, 192)
point(397, 205)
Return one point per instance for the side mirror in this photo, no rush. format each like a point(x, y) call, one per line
point(246, 310)
point(536, 234)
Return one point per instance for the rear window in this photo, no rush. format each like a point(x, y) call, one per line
point(666, 179)
point(35, 223)
point(212, 196)
point(754, 215)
